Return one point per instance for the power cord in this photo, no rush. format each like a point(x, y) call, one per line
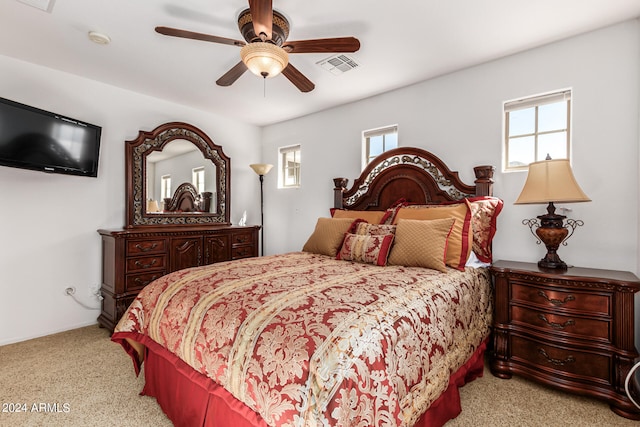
point(71, 291)
point(628, 380)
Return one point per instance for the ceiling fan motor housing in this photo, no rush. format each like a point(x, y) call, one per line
point(280, 28)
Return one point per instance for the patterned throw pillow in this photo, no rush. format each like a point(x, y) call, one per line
point(421, 243)
point(368, 249)
point(327, 236)
point(461, 239)
point(374, 229)
point(484, 214)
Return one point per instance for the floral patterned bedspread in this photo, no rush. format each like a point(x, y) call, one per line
point(307, 340)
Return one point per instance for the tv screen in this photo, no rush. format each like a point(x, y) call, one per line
point(31, 138)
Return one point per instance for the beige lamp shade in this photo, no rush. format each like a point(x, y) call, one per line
point(261, 168)
point(551, 181)
point(264, 59)
point(152, 206)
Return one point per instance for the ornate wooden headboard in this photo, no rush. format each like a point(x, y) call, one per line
point(409, 173)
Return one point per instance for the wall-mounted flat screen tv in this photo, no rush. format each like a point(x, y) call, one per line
point(31, 138)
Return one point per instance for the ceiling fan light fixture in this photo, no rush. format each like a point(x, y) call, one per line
point(264, 59)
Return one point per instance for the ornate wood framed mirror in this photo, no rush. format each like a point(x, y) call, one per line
point(143, 185)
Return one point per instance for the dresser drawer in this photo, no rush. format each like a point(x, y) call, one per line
point(238, 252)
point(558, 361)
point(242, 238)
point(588, 328)
point(138, 264)
point(135, 282)
point(142, 247)
point(562, 299)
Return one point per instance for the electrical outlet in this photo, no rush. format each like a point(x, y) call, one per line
point(71, 290)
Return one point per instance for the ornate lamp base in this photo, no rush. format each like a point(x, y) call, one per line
point(552, 236)
point(551, 230)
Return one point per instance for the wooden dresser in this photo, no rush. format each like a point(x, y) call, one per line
point(572, 330)
point(132, 258)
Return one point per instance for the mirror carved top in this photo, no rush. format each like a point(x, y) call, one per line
point(136, 152)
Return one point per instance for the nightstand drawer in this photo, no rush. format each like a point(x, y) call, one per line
point(157, 262)
point(566, 324)
point(559, 361)
point(565, 299)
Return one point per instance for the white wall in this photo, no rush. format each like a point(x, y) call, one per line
point(48, 222)
point(459, 118)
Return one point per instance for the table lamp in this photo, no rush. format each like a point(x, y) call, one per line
point(551, 181)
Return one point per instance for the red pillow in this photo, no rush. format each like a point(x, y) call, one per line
point(369, 249)
point(484, 214)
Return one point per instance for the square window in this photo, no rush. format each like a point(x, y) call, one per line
point(537, 127)
point(377, 141)
point(289, 170)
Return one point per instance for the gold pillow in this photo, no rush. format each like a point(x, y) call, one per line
point(372, 217)
point(461, 239)
point(421, 243)
point(328, 235)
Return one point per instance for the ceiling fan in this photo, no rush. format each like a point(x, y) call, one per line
point(266, 50)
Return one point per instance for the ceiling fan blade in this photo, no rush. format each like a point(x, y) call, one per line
point(262, 17)
point(338, 44)
point(198, 36)
point(232, 75)
point(298, 79)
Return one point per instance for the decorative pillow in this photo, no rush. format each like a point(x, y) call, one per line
point(484, 214)
point(327, 236)
point(374, 217)
point(366, 248)
point(461, 238)
point(374, 229)
point(421, 243)
point(390, 214)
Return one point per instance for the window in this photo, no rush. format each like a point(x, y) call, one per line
point(197, 178)
point(289, 167)
point(165, 186)
point(536, 127)
point(377, 141)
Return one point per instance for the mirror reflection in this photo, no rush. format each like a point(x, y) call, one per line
point(180, 179)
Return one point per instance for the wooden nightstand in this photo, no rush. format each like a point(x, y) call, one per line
point(572, 330)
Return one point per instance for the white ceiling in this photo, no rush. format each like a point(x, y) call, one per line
point(403, 42)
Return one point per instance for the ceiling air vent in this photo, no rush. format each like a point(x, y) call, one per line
point(338, 64)
point(46, 5)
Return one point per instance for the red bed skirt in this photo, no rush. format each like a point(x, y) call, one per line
point(190, 399)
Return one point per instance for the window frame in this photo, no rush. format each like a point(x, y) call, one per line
point(198, 178)
point(535, 101)
point(284, 169)
point(165, 186)
point(371, 133)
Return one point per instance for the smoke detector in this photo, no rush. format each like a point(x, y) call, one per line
point(338, 64)
point(99, 38)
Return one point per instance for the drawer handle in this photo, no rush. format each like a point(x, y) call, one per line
point(145, 282)
point(554, 301)
point(147, 248)
point(554, 325)
point(141, 265)
point(557, 362)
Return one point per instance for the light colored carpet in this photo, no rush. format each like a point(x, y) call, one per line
point(87, 380)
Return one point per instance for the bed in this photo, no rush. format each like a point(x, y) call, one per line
point(378, 320)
